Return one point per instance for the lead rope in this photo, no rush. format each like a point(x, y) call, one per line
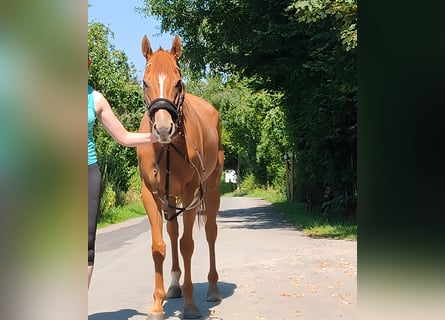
point(166, 205)
point(167, 183)
point(156, 170)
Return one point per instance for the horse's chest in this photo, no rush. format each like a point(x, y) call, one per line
point(176, 176)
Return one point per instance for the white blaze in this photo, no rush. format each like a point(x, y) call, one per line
point(161, 84)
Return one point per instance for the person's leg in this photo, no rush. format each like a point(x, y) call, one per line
point(94, 193)
point(90, 273)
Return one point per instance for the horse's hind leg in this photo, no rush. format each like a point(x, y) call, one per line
point(191, 311)
point(174, 291)
point(212, 204)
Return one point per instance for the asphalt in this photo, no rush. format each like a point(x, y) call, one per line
point(268, 270)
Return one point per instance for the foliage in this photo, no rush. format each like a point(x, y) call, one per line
point(344, 11)
point(270, 195)
point(253, 125)
point(111, 75)
point(108, 199)
point(133, 194)
point(327, 119)
point(302, 51)
point(248, 184)
point(226, 187)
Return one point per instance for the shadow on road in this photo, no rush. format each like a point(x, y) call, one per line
point(261, 217)
point(123, 314)
point(119, 238)
point(174, 307)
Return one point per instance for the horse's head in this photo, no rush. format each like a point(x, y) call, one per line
point(163, 88)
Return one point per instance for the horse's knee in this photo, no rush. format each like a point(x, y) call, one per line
point(158, 250)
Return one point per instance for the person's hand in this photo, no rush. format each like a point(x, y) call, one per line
point(153, 138)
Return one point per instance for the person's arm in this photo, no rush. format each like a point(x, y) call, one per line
point(114, 127)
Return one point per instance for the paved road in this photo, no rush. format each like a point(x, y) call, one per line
point(268, 270)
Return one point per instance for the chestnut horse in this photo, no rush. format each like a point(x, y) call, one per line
point(180, 173)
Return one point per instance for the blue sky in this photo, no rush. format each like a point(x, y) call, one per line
point(129, 27)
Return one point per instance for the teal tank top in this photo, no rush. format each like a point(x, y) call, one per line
point(92, 157)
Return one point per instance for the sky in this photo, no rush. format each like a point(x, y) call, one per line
point(129, 27)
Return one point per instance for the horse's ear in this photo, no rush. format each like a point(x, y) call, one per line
point(146, 48)
point(176, 47)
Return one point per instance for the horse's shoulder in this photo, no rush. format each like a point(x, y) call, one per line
point(195, 100)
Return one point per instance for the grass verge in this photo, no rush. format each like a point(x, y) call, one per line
point(315, 224)
point(120, 214)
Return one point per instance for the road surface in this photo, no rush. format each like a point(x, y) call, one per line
point(268, 270)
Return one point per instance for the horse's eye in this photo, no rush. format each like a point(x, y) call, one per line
point(144, 84)
point(179, 85)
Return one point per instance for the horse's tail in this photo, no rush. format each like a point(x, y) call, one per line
point(201, 212)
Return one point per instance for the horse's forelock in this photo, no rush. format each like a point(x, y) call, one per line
point(163, 62)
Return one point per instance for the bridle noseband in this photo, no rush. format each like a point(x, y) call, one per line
point(162, 103)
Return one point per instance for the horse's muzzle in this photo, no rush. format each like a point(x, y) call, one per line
point(164, 132)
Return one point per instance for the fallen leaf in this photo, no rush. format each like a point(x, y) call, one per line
point(313, 288)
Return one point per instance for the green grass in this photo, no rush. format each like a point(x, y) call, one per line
point(316, 224)
point(120, 214)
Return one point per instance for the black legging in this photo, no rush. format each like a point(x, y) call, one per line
point(94, 194)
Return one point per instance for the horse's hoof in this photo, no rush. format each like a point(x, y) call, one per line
point(155, 316)
point(174, 292)
point(213, 295)
point(191, 312)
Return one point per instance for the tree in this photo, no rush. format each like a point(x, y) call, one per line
point(305, 50)
point(327, 119)
point(253, 126)
point(112, 75)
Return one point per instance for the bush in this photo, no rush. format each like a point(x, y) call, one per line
point(248, 184)
point(226, 187)
point(133, 194)
point(108, 199)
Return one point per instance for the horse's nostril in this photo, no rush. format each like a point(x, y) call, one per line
point(172, 130)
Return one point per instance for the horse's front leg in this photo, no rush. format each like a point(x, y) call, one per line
point(158, 249)
point(212, 199)
point(187, 244)
point(174, 291)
